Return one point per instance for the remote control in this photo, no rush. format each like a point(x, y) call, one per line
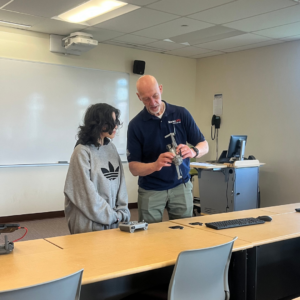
point(132, 226)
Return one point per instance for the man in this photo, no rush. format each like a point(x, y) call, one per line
point(148, 158)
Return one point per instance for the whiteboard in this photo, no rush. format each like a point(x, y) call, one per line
point(42, 105)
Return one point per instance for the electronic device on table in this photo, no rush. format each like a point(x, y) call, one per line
point(132, 226)
point(236, 149)
point(8, 247)
point(235, 223)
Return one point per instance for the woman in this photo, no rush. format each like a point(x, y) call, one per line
point(95, 190)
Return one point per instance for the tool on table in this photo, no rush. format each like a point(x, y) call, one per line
point(8, 247)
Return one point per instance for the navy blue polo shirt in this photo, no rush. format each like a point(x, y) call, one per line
point(146, 141)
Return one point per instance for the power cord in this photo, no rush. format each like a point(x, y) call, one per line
point(26, 230)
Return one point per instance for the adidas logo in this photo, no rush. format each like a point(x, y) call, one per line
point(112, 173)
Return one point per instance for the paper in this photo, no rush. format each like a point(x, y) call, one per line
point(218, 105)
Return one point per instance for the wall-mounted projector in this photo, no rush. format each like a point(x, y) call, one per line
point(76, 43)
point(80, 41)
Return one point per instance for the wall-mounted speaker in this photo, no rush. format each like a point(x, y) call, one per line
point(139, 67)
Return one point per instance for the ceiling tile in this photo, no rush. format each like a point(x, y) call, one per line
point(186, 7)
point(136, 20)
point(212, 53)
point(151, 49)
point(252, 46)
point(281, 31)
point(235, 41)
point(56, 27)
point(101, 34)
point(268, 20)
point(187, 51)
point(240, 9)
point(166, 45)
point(206, 35)
point(292, 38)
point(118, 43)
point(130, 38)
point(43, 8)
point(135, 46)
point(19, 18)
point(173, 28)
point(140, 2)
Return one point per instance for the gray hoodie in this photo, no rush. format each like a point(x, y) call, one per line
point(95, 189)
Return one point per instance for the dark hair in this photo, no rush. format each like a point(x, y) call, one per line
point(98, 118)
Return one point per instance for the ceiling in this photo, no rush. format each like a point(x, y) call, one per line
point(195, 28)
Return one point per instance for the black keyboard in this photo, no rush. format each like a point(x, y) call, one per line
point(234, 223)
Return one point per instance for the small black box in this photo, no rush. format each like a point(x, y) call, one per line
point(139, 67)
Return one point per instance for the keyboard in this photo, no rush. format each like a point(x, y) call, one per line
point(234, 223)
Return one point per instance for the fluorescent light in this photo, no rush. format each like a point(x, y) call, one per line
point(14, 24)
point(6, 4)
point(90, 10)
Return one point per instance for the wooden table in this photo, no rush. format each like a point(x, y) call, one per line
point(281, 209)
point(121, 253)
point(33, 262)
point(282, 227)
point(273, 268)
point(109, 258)
point(115, 262)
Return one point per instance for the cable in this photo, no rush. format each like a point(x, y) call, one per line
point(211, 134)
point(233, 179)
point(227, 207)
point(22, 236)
point(217, 147)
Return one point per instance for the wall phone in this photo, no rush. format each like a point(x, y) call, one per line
point(215, 121)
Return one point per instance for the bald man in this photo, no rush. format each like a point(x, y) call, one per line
point(148, 158)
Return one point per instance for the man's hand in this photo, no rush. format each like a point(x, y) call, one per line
point(186, 151)
point(164, 160)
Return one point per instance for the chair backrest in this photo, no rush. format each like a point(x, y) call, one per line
point(202, 274)
point(66, 288)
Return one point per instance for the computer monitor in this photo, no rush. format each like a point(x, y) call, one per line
point(235, 144)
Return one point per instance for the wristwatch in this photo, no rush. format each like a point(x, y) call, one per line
point(196, 150)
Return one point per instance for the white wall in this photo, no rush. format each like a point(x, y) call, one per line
point(261, 91)
point(40, 189)
point(261, 99)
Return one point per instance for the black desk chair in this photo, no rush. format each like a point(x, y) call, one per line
point(198, 274)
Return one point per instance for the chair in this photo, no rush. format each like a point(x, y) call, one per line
point(198, 274)
point(66, 288)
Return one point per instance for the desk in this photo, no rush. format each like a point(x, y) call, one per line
point(282, 227)
point(273, 268)
point(28, 263)
point(288, 208)
point(141, 251)
point(264, 259)
point(110, 257)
